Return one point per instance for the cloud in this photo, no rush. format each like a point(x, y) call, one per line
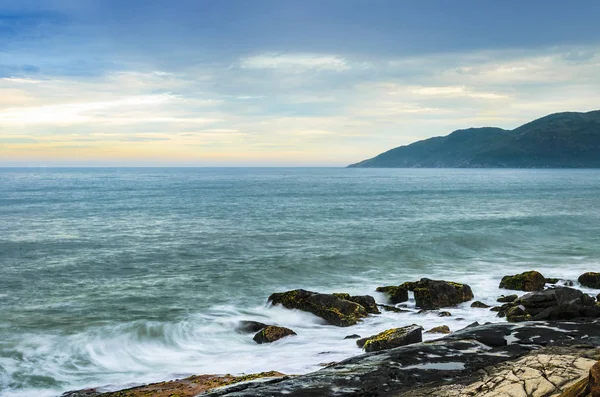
point(294, 62)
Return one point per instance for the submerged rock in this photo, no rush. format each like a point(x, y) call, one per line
point(392, 338)
point(248, 327)
point(552, 280)
point(435, 294)
point(507, 298)
point(353, 336)
point(528, 281)
point(479, 305)
point(390, 308)
point(395, 294)
point(366, 301)
point(590, 280)
point(335, 311)
point(442, 329)
point(271, 334)
point(444, 314)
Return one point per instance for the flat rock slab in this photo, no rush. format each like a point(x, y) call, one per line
point(466, 360)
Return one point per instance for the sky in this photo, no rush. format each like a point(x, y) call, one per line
point(279, 82)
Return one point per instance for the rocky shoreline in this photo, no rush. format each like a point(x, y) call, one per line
point(549, 346)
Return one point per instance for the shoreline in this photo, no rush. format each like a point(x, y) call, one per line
point(476, 346)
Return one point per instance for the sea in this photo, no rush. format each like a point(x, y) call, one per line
point(115, 277)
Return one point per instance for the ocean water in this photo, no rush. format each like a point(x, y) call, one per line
point(116, 277)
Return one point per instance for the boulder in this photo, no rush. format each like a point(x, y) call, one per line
point(594, 380)
point(442, 329)
point(444, 314)
point(590, 280)
point(248, 327)
point(552, 280)
point(391, 338)
point(508, 298)
point(395, 294)
point(558, 303)
point(366, 301)
point(528, 281)
point(479, 305)
point(272, 333)
point(391, 308)
point(434, 294)
point(335, 311)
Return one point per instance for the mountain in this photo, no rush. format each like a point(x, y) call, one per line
point(560, 140)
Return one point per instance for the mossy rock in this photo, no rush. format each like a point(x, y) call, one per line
point(517, 314)
point(552, 280)
point(336, 311)
point(527, 281)
point(272, 333)
point(395, 294)
point(507, 299)
point(435, 294)
point(366, 301)
point(391, 338)
point(479, 305)
point(442, 329)
point(590, 280)
point(247, 327)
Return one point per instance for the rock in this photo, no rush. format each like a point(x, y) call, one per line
point(508, 298)
point(248, 327)
point(558, 303)
point(395, 294)
point(335, 311)
point(590, 280)
point(271, 334)
point(391, 338)
point(598, 298)
point(366, 301)
point(479, 305)
point(188, 387)
point(528, 281)
point(390, 308)
point(594, 380)
point(550, 280)
point(434, 294)
point(353, 336)
point(501, 359)
point(444, 314)
point(409, 285)
point(442, 329)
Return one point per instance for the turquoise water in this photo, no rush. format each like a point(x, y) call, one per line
point(112, 277)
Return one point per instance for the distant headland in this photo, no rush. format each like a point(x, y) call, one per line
point(559, 140)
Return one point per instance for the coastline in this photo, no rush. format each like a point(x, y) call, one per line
point(475, 359)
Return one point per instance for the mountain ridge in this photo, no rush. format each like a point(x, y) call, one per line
point(558, 140)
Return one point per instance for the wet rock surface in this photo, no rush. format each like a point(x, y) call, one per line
point(249, 327)
point(272, 333)
point(395, 294)
point(479, 305)
point(590, 280)
point(559, 303)
point(392, 338)
point(507, 298)
point(527, 281)
point(435, 294)
point(442, 329)
point(331, 308)
point(484, 360)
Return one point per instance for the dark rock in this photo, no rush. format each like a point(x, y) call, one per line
point(442, 329)
point(598, 298)
point(409, 285)
point(366, 301)
point(391, 338)
point(335, 311)
point(434, 294)
point(558, 303)
point(395, 294)
point(457, 360)
point(444, 314)
point(507, 298)
point(479, 305)
point(248, 327)
point(353, 336)
point(590, 280)
point(552, 280)
point(390, 308)
point(271, 334)
point(528, 281)
point(594, 380)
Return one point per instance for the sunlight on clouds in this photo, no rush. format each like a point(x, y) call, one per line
point(294, 62)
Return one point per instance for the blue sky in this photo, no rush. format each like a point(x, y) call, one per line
point(279, 82)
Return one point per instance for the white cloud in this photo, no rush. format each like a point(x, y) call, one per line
point(294, 62)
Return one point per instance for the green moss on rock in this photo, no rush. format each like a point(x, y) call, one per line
point(391, 338)
point(590, 280)
point(271, 334)
point(527, 281)
point(395, 294)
